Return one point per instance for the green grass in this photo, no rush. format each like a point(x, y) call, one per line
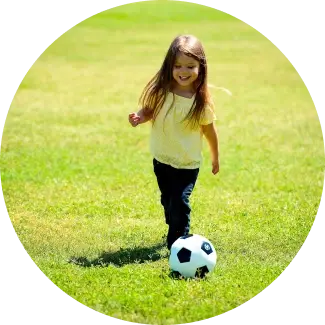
point(78, 180)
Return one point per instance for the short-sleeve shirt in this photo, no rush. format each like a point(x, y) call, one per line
point(173, 141)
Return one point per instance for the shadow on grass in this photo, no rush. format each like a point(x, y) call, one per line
point(122, 257)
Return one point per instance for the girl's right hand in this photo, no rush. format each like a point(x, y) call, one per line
point(134, 119)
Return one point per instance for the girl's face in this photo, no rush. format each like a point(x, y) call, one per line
point(185, 71)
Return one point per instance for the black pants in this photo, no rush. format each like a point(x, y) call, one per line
point(176, 186)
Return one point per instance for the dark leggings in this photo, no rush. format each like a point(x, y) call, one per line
point(176, 186)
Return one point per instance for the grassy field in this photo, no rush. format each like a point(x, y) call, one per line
point(78, 181)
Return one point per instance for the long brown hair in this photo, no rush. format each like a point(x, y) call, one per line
point(155, 92)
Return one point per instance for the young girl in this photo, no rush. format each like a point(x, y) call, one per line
point(178, 103)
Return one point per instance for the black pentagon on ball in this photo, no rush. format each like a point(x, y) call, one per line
point(175, 275)
point(184, 255)
point(201, 272)
point(206, 247)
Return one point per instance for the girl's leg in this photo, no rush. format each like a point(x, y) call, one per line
point(162, 172)
point(183, 182)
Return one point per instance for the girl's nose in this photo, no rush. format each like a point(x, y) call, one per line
point(184, 70)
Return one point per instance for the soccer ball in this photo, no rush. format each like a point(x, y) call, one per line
point(192, 256)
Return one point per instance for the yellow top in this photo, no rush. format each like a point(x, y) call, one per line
point(173, 142)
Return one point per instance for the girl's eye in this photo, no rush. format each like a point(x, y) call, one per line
point(188, 67)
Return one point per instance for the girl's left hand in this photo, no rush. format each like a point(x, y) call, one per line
point(215, 167)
